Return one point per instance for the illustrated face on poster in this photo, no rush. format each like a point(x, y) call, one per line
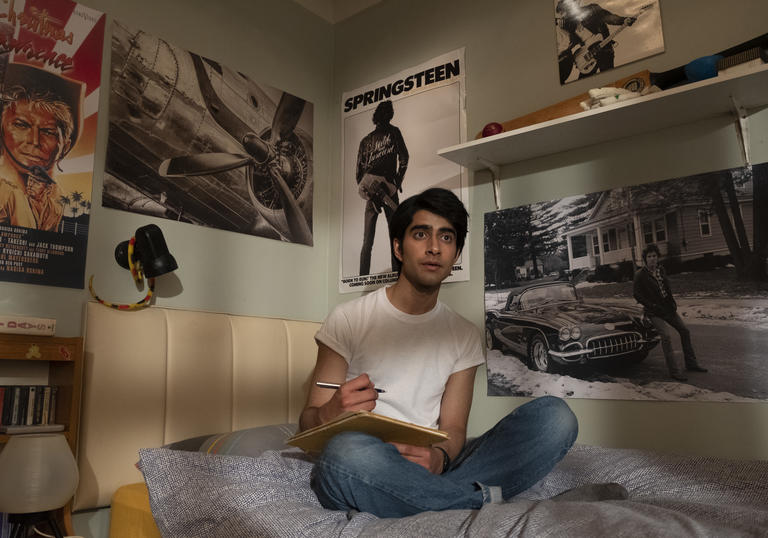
point(193, 140)
point(593, 36)
point(48, 121)
point(392, 142)
point(574, 307)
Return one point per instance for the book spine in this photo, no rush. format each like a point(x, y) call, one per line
point(8, 405)
point(2, 406)
point(31, 400)
point(52, 413)
point(46, 411)
point(14, 421)
point(21, 420)
point(39, 405)
point(27, 325)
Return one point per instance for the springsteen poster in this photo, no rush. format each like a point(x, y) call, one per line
point(391, 132)
point(50, 68)
point(195, 141)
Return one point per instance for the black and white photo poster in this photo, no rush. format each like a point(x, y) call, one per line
point(655, 291)
point(193, 140)
point(391, 131)
point(598, 35)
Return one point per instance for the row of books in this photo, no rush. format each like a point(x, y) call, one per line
point(27, 405)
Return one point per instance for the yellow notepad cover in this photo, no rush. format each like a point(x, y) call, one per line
point(385, 428)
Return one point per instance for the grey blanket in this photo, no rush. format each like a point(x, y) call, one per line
point(195, 494)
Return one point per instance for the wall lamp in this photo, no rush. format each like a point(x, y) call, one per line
point(144, 254)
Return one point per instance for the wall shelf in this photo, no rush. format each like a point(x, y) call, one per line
point(726, 94)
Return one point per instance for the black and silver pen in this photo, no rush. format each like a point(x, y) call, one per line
point(336, 385)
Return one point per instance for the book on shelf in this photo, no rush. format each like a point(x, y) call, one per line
point(27, 325)
point(32, 428)
point(45, 419)
point(7, 404)
point(31, 401)
point(385, 428)
point(27, 405)
point(16, 409)
point(52, 408)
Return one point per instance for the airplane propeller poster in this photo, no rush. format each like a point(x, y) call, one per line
point(193, 140)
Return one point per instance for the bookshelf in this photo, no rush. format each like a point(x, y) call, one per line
point(64, 357)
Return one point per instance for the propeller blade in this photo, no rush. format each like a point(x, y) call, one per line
point(220, 112)
point(202, 164)
point(287, 115)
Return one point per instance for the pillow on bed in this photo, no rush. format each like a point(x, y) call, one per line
point(248, 442)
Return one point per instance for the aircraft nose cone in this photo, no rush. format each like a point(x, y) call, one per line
point(257, 148)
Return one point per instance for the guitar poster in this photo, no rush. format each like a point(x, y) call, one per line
point(50, 70)
point(391, 131)
point(598, 35)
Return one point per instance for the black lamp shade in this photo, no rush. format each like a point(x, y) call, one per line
point(150, 251)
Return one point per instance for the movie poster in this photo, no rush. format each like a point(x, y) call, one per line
point(391, 131)
point(195, 141)
point(597, 35)
point(50, 68)
point(655, 291)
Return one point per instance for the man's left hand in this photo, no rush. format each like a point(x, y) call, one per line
point(428, 457)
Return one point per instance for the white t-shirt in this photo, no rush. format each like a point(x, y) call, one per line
point(409, 356)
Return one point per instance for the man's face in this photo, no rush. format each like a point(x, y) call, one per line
point(35, 188)
point(651, 260)
point(31, 136)
point(428, 251)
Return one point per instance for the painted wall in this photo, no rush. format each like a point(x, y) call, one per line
point(512, 70)
point(275, 42)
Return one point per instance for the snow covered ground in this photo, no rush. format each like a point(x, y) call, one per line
point(508, 374)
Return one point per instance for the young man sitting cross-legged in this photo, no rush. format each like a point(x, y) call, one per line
point(404, 340)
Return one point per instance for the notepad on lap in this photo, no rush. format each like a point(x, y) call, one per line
point(385, 428)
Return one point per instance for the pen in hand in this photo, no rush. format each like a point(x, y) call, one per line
point(337, 385)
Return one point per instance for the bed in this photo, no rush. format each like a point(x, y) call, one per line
point(185, 414)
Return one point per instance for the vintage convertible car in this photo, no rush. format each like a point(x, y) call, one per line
point(549, 324)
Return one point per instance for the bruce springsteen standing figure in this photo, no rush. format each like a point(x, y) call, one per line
point(382, 159)
point(652, 290)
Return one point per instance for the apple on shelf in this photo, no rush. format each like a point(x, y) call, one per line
point(492, 128)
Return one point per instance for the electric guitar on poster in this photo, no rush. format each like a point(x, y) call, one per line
point(377, 190)
point(585, 55)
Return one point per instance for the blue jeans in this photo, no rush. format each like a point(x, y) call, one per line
point(360, 472)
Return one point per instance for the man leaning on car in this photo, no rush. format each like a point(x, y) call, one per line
point(652, 290)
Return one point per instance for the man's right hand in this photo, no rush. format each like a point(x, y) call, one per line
point(356, 394)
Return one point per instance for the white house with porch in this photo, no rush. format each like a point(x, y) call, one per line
point(677, 218)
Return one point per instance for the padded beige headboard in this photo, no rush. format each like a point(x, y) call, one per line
point(159, 375)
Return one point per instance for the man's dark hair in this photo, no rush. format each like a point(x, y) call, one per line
point(441, 202)
point(383, 113)
point(651, 248)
